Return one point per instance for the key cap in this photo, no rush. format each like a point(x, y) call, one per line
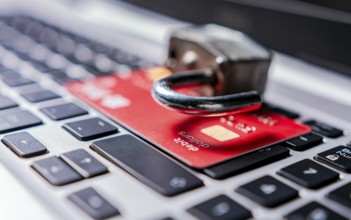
point(2, 69)
point(324, 129)
point(55, 171)
point(147, 165)
point(218, 208)
point(40, 96)
point(167, 218)
point(6, 103)
point(8, 74)
point(248, 161)
point(62, 79)
point(268, 191)
point(342, 195)
point(42, 67)
point(93, 204)
point(17, 120)
point(63, 111)
point(89, 129)
point(60, 76)
point(304, 142)
point(314, 211)
point(85, 164)
point(309, 174)
point(24, 144)
point(337, 157)
point(17, 81)
point(285, 112)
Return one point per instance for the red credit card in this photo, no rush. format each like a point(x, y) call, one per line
point(197, 141)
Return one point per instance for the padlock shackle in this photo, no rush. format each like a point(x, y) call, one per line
point(202, 105)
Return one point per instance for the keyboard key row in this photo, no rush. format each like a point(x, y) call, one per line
point(269, 192)
point(45, 42)
point(56, 171)
point(262, 156)
point(70, 167)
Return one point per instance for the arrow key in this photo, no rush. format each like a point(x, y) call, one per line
point(85, 164)
point(24, 145)
point(268, 191)
point(314, 211)
point(309, 174)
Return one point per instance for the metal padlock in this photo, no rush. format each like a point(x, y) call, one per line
point(233, 64)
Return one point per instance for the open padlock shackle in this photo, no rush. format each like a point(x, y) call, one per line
point(232, 63)
point(202, 105)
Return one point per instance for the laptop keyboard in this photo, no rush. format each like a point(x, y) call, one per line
point(55, 55)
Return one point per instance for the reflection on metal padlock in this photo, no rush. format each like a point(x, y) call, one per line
point(233, 64)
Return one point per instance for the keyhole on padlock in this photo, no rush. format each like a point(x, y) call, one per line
point(189, 59)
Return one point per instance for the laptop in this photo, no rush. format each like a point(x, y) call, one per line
point(63, 156)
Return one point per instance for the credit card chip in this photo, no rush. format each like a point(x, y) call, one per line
point(220, 133)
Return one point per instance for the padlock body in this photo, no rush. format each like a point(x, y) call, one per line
point(243, 76)
point(240, 63)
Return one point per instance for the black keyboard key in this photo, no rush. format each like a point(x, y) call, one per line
point(248, 161)
point(285, 112)
point(17, 120)
point(89, 129)
point(40, 96)
point(59, 76)
point(268, 191)
point(314, 211)
point(63, 111)
point(147, 165)
point(62, 79)
point(6, 103)
point(324, 129)
point(309, 174)
point(338, 157)
point(219, 208)
point(17, 81)
point(93, 204)
point(42, 67)
point(3, 69)
point(9, 74)
point(85, 164)
point(342, 195)
point(304, 142)
point(56, 171)
point(24, 144)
